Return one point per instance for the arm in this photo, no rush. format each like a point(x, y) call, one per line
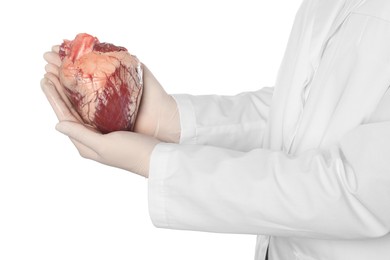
point(210, 119)
point(157, 120)
point(340, 193)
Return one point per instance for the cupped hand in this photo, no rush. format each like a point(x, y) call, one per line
point(126, 150)
point(157, 120)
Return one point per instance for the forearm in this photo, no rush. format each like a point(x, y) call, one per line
point(338, 193)
point(234, 122)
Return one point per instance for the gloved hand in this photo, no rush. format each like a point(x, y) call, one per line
point(158, 113)
point(125, 150)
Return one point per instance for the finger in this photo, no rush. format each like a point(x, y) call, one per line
point(85, 151)
point(50, 67)
point(81, 134)
point(52, 57)
point(54, 79)
point(60, 108)
point(60, 89)
point(55, 48)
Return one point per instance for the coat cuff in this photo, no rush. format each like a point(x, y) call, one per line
point(158, 168)
point(158, 171)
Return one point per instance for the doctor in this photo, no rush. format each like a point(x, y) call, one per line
point(305, 165)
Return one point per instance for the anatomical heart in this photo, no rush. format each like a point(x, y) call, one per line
point(102, 81)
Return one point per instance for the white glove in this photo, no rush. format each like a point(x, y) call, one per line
point(126, 150)
point(158, 117)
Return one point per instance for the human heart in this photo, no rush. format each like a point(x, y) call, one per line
point(102, 81)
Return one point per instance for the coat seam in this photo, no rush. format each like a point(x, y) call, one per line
point(372, 16)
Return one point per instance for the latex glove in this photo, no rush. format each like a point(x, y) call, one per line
point(158, 113)
point(126, 150)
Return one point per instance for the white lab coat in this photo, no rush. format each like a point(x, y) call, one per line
point(304, 165)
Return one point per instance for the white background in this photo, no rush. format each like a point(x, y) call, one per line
point(56, 205)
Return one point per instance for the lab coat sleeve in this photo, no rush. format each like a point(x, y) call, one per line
point(210, 119)
point(342, 192)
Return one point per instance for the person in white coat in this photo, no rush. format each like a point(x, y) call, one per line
point(304, 165)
